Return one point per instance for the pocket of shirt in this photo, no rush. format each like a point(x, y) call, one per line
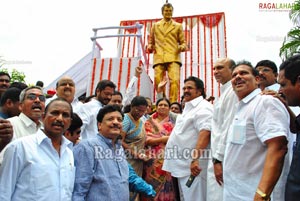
point(42, 178)
point(238, 135)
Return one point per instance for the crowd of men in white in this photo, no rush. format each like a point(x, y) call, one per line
point(251, 131)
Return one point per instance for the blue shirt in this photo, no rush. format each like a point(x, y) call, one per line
point(3, 115)
point(101, 171)
point(33, 170)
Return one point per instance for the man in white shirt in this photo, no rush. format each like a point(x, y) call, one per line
point(131, 90)
point(268, 73)
point(32, 103)
point(88, 111)
point(188, 141)
point(41, 166)
point(222, 118)
point(65, 88)
point(257, 142)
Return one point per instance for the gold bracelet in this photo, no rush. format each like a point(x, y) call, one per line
point(263, 195)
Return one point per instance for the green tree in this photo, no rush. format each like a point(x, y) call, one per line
point(16, 76)
point(291, 43)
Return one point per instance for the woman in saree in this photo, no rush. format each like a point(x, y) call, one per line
point(158, 129)
point(134, 134)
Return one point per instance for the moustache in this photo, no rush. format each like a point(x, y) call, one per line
point(36, 105)
point(261, 76)
point(116, 126)
point(58, 123)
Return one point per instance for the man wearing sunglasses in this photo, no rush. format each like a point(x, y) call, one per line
point(32, 104)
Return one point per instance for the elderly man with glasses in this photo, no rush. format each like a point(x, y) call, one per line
point(32, 104)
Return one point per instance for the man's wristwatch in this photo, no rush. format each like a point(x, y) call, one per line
point(263, 195)
point(215, 161)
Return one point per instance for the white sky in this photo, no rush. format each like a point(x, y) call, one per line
point(45, 38)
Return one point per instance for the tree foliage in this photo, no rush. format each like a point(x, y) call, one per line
point(291, 43)
point(16, 76)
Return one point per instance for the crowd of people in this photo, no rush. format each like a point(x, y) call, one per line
point(119, 146)
point(243, 146)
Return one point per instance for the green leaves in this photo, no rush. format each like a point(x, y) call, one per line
point(291, 43)
point(15, 75)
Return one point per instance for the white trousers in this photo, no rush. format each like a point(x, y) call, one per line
point(214, 190)
point(197, 191)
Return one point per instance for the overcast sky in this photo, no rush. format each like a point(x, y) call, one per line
point(45, 38)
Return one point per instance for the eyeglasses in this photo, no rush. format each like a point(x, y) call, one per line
point(32, 97)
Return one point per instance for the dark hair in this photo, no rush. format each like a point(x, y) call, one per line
point(5, 73)
point(127, 108)
point(163, 99)
point(246, 63)
point(118, 93)
point(108, 109)
point(103, 84)
point(269, 64)
point(178, 104)
point(199, 84)
point(11, 93)
point(75, 123)
point(82, 97)
point(39, 83)
point(291, 67)
point(168, 5)
point(58, 99)
point(23, 92)
point(139, 100)
point(19, 85)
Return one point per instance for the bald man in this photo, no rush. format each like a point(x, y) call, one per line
point(65, 88)
point(222, 118)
